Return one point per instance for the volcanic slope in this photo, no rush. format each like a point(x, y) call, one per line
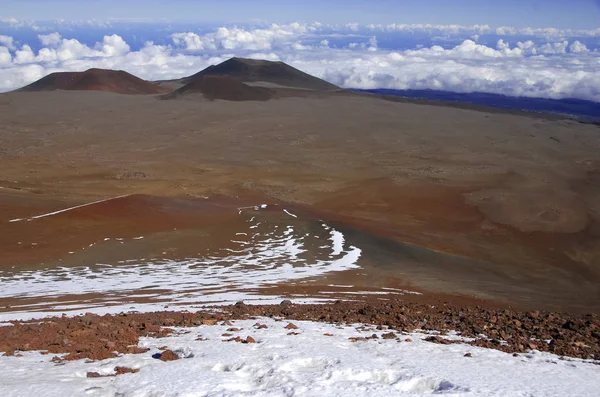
point(260, 71)
point(222, 87)
point(116, 81)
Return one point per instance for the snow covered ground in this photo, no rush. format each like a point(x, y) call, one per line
point(262, 254)
point(307, 364)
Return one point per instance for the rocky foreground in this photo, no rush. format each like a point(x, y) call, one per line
point(100, 337)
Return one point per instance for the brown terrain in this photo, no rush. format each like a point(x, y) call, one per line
point(462, 203)
point(116, 81)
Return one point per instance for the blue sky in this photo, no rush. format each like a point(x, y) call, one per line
point(573, 14)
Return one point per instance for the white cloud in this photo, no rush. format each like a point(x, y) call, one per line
point(113, 46)
point(7, 41)
point(480, 30)
point(554, 48)
point(576, 46)
point(5, 57)
point(190, 41)
point(242, 39)
point(50, 40)
point(373, 44)
point(554, 69)
point(469, 68)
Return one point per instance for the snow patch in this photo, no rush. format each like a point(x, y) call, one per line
point(290, 214)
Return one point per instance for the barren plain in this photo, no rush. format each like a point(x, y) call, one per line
point(491, 205)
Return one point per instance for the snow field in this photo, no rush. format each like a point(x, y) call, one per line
point(307, 364)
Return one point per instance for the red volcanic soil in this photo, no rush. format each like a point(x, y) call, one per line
point(116, 81)
point(125, 217)
point(223, 87)
point(101, 337)
point(252, 70)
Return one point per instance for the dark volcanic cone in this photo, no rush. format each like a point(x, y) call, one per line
point(223, 87)
point(116, 81)
point(252, 71)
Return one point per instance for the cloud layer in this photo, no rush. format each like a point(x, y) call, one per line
point(558, 65)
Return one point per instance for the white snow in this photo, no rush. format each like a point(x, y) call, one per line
point(337, 239)
point(67, 209)
point(268, 256)
point(308, 364)
point(401, 290)
point(290, 214)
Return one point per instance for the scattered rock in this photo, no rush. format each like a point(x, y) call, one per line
point(389, 335)
point(438, 339)
point(249, 339)
point(125, 370)
point(468, 355)
point(362, 338)
point(94, 375)
point(168, 355)
point(131, 175)
point(532, 346)
point(291, 326)
point(286, 302)
point(100, 337)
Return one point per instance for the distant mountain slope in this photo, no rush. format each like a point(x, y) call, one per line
point(251, 70)
point(585, 111)
point(116, 81)
point(222, 87)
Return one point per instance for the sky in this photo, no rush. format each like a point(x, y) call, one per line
point(574, 14)
point(529, 48)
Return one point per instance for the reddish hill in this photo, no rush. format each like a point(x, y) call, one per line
point(223, 87)
point(117, 81)
point(252, 70)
